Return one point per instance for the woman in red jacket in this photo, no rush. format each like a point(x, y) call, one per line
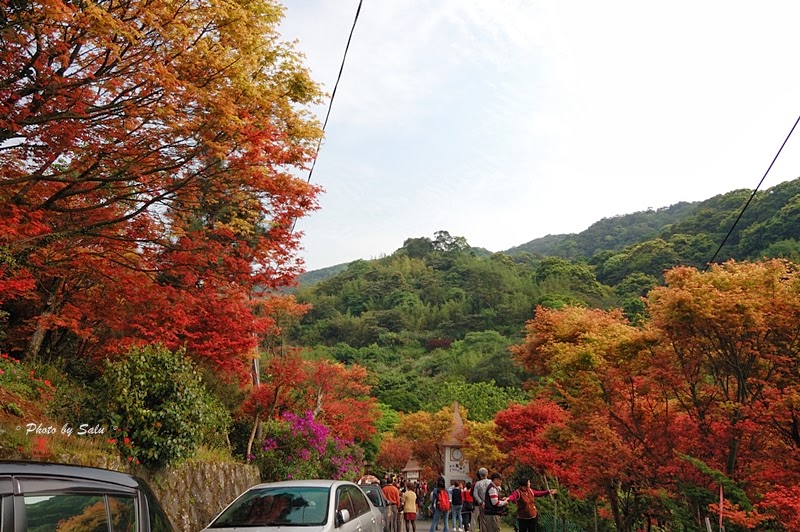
point(524, 497)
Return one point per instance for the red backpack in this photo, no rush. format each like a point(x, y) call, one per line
point(443, 501)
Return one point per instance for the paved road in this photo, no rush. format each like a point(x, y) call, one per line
point(424, 525)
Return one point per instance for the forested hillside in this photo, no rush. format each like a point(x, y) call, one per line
point(608, 234)
point(435, 311)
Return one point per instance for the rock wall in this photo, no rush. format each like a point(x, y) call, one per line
point(194, 492)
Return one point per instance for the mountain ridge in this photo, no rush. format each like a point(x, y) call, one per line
point(772, 215)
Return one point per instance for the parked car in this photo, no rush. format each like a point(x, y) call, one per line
point(324, 505)
point(378, 500)
point(44, 496)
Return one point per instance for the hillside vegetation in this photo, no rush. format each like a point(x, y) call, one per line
point(363, 361)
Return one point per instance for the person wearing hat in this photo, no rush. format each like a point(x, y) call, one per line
point(494, 505)
point(523, 496)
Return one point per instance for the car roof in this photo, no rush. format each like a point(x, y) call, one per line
point(66, 471)
point(312, 483)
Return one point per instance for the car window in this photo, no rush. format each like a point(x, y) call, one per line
point(343, 501)
point(360, 504)
point(64, 512)
point(123, 513)
point(284, 506)
point(374, 497)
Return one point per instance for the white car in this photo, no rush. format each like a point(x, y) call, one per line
point(301, 506)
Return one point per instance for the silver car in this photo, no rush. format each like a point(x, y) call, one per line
point(305, 505)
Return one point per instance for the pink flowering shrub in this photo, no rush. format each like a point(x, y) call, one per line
point(299, 447)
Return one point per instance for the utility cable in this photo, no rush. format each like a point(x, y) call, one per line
point(333, 95)
point(747, 204)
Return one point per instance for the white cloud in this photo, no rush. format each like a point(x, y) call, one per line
point(505, 121)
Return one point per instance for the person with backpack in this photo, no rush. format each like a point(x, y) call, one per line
point(440, 504)
point(455, 509)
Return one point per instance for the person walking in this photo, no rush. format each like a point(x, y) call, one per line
point(392, 495)
point(455, 508)
point(494, 504)
point(524, 498)
point(409, 504)
point(398, 525)
point(438, 512)
point(467, 506)
point(478, 494)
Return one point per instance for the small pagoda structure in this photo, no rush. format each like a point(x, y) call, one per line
point(456, 467)
point(412, 469)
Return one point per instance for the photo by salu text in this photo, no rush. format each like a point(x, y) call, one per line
point(84, 429)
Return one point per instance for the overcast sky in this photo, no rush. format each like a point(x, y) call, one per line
point(505, 121)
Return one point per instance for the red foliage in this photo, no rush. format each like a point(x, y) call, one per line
point(712, 376)
point(339, 395)
point(147, 186)
point(394, 453)
point(529, 435)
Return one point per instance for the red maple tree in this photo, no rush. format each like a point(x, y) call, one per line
point(146, 174)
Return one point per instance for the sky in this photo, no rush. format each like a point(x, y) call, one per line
point(506, 121)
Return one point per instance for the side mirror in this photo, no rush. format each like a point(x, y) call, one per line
point(344, 516)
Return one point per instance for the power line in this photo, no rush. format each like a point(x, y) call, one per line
point(752, 195)
point(333, 95)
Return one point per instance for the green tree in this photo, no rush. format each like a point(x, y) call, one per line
point(482, 400)
point(417, 247)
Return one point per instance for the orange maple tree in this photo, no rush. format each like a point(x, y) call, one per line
point(426, 432)
point(147, 183)
point(709, 380)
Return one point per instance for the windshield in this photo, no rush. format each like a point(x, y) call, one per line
point(280, 506)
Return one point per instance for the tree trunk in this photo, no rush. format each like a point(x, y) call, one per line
point(733, 457)
point(256, 424)
point(37, 338)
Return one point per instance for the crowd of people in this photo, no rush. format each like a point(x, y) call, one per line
point(403, 498)
point(462, 506)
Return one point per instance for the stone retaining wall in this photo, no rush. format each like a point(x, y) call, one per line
point(194, 492)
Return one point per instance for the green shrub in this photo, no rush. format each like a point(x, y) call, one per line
point(216, 428)
point(155, 405)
